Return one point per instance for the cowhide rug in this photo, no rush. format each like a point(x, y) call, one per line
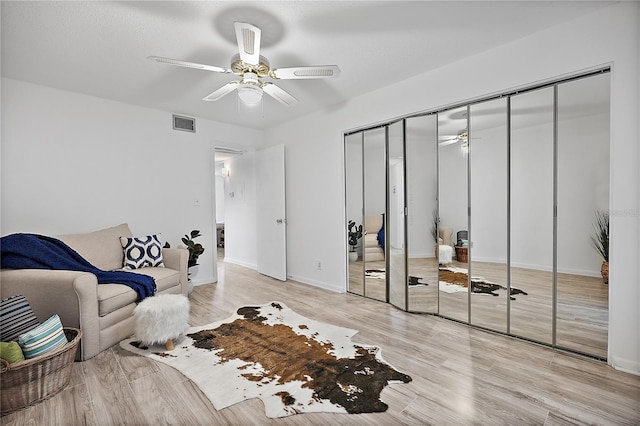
point(454, 279)
point(292, 363)
point(381, 275)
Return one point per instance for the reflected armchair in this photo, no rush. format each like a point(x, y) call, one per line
point(372, 249)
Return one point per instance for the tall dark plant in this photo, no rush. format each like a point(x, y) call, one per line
point(195, 249)
point(434, 228)
point(355, 233)
point(600, 239)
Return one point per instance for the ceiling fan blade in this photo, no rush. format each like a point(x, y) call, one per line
point(321, 71)
point(248, 37)
point(224, 90)
point(279, 94)
point(448, 142)
point(189, 64)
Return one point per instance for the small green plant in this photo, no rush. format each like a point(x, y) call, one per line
point(600, 239)
point(434, 228)
point(195, 249)
point(355, 233)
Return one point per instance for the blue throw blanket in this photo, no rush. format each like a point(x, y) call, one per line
point(31, 251)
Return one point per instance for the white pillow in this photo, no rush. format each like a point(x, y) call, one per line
point(141, 252)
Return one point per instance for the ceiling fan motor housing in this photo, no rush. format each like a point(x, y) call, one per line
point(239, 67)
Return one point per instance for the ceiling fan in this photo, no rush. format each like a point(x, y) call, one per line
point(461, 136)
point(252, 68)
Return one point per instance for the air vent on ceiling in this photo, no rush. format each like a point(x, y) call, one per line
point(186, 124)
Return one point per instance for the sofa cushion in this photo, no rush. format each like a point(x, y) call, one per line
point(165, 277)
point(112, 297)
point(142, 252)
point(101, 248)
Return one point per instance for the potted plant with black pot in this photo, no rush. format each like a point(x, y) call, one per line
point(600, 241)
point(355, 233)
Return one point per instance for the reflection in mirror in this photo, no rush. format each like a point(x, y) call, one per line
point(374, 208)
point(354, 206)
point(488, 230)
point(422, 180)
point(532, 214)
point(395, 236)
point(453, 214)
point(583, 192)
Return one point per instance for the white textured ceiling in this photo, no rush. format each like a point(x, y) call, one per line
point(100, 48)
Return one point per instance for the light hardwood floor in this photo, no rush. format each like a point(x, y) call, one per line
point(460, 375)
point(582, 310)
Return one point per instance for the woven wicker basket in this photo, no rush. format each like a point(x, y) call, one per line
point(28, 382)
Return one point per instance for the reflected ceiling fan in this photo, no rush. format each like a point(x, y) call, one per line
point(461, 136)
point(252, 69)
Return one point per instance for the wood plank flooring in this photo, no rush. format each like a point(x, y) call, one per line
point(582, 302)
point(460, 375)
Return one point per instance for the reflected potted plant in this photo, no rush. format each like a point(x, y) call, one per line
point(434, 231)
point(355, 233)
point(600, 241)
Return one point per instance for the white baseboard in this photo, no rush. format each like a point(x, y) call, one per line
point(240, 263)
point(203, 281)
point(299, 278)
point(316, 283)
point(422, 255)
point(585, 272)
point(630, 366)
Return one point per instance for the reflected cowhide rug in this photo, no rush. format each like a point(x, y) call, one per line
point(292, 363)
point(453, 280)
point(380, 274)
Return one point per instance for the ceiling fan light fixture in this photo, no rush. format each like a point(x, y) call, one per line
point(249, 93)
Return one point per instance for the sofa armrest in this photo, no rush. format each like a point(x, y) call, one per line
point(72, 295)
point(177, 258)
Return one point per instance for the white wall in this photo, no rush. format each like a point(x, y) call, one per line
point(453, 181)
point(488, 151)
point(422, 183)
point(532, 196)
point(375, 174)
point(583, 188)
point(315, 183)
point(74, 163)
point(219, 179)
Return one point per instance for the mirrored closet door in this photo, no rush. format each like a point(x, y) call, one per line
point(488, 180)
point(453, 207)
point(531, 238)
point(375, 204)
point(353, 154)
point(493, 213)
point(583, 201)
point(395, 231)
point(422, 207)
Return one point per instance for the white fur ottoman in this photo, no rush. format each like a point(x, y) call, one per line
point(445, 254)
point(161, 318)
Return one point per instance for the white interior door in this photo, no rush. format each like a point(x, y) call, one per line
point(271, 221)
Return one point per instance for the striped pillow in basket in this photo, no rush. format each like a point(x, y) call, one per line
point(45, 338)
point(16, 317)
